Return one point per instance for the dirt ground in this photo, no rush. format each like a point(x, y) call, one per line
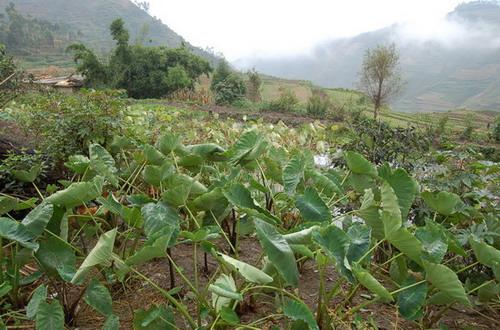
point(138, 294)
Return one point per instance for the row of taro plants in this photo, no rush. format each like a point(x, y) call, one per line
point(121, 210)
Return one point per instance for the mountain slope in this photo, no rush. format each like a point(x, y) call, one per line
point(459, 69)
point(93, 18)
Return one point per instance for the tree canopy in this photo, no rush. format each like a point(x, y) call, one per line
point(144, 72)
point(380, 75)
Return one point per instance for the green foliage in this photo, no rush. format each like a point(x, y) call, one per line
point(10, 77)
point(496, 129)
point(221, 73)
point(20, 162)
point(379, 142)
point(229, 90)
point(66, 125)
point(254, 86)
point(144, 72)
point(318, 104)
point(287, 102)
point(470, 126)
point(159, 198)
point(298, 311)
point(50, 316)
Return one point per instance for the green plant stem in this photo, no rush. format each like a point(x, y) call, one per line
point(181, 308)
point(64, 242)
point(186, 280)
point(467, 267)
point(272, 316)
point(333, 291)
point(196, 281)
point(38, 191)
point(130, 183)
point(351, 294)
point(455, 257)
point(407, 287)
point(360, 306)
point(192, 217)
point(371, 250)
point(481, 286)
point(215, 322)
point(15, 284)
point(279, 290)
point(391, 259)
point(319, 310)
point(225, 235)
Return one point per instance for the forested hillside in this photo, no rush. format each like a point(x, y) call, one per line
point(88, 21)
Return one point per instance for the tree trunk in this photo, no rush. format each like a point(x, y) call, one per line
point(376, 110)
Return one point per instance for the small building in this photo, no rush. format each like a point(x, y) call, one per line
point(66, 84)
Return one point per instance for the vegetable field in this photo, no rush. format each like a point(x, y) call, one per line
point(184, 221)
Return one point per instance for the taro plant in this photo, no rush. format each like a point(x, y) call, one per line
point(142, 203)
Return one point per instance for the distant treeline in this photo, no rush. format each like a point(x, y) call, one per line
point(27, 35)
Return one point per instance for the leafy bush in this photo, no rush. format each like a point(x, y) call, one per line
point(254, 85)
point(229, 90)
point(496, 129)
point(287, 102)
point(10, 77)
point(222, 72)
point(63, 125)
point(469, 126)
point(379, 142)
point(144, 72)
point(15, 164)
point(318, 104)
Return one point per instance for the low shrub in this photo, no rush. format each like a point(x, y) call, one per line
point(229, 90)
point(318, 104)
point(287, 102)
point(62, 125)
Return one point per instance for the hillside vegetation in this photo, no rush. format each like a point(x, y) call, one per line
point(90, 20)
point(171, 194)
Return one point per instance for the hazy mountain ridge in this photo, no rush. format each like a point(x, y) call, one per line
point(93, 18)
point(443, 71)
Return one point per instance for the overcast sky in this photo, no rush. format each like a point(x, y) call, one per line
point(245, 28)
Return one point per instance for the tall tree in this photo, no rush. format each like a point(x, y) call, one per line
point(144, 72)
point(381, 75)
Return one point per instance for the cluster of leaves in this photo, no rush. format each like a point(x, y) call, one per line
point(287, 102)
point(202, 192)
point(10, 77)
point(227, 86)
point(380, 142)
point(318, 104)
point(254, 86)
point(62, 125)
point(144, 72)
point(496, 129)
point(19, 164)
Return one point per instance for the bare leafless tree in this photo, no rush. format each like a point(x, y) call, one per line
point(380, 76)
